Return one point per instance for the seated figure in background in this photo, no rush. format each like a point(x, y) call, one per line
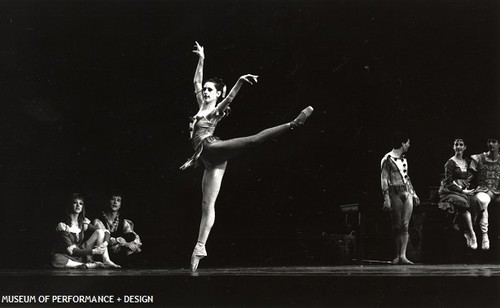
point(485, 168)
point(455, 195)
point(123, 241)
point(71, 249)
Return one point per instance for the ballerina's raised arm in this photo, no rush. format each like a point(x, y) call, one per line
point(198, 73)
point(249, 78)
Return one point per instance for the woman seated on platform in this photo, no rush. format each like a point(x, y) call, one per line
point(71, 249)
point(455, 195)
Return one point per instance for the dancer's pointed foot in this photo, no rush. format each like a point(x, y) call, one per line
point(302, 117)
point(199, 253)
point(471, 240)
point(111, 264)
point(405, 261)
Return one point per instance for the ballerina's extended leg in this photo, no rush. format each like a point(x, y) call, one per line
point(225, 150)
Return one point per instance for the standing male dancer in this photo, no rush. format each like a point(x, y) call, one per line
point(399, 195)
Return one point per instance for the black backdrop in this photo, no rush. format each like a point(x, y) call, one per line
point(96, 97)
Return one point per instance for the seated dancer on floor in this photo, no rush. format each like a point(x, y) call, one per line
point(455, 195)
point(123, 241)
point(71, 249)
point(485, 169)
point(399, 195)
point(213, 152)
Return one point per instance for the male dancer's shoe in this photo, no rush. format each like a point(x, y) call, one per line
point(302, 117)
point(199, 253)
point(485, 243)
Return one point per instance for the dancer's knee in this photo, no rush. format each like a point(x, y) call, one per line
point(396, 229)
point(207, 211)
point(98, 224)
point(484, 199)
point(99, 233)
point(400, 229)
point(207, 205)
point(404, 228)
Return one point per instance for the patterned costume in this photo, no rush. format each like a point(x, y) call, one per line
point(395, 171)
point(450, 192)
point(202, 135)
point(488, 179)
point(70, 245)
point(488, 174)
point(123, 228)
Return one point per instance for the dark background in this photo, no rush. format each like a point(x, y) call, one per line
point(96, 97)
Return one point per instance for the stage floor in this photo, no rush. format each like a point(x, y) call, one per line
point(367, 270)
point(373, 285)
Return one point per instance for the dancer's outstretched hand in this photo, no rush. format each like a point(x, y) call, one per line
point(251, 79)
point(198, 49)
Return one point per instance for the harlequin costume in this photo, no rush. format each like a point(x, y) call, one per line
point(397, 176)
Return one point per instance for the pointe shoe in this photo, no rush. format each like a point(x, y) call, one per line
point(199, 253)
point(485, 243)
point(471, 240)
point(302, 117)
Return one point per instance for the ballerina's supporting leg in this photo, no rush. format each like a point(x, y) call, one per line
point(210, 186)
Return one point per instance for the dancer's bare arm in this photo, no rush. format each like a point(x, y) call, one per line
point(384, 182)
point(249, 78)
point(198, 74)
point(416, 199)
